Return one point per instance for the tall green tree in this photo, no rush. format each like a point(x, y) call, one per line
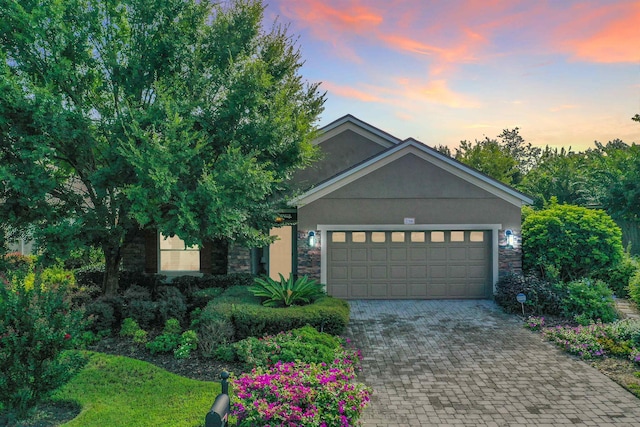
point(181, 115)
point(506, 158)
point(563, 174)
point(615, 169)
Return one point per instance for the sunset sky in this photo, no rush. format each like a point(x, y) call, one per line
point(565, 72)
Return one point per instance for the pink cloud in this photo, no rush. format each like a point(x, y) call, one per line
point(612, 35)
point(405, 94)
point(353, 93)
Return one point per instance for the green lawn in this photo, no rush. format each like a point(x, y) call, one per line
point(119, 391)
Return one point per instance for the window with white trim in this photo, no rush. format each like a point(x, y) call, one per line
point(175, 255)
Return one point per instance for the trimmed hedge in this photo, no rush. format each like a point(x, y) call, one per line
point(327, 314)
point(249, 318)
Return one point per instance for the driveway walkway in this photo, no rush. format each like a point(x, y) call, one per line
point(448, 363)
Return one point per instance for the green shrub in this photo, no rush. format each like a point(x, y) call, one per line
point(542, 297)
point(101, 316)
point(187, 344)
point(140, 336)
point(214, 331)
point(138, 305)
point(105, 313)
point(287, 292)
point(17, 266)
point(59, 276)
point(129, 327)
point(327, 314)
point(172, 327)
point(170, 303)
point(90, 276)
point(37, 326)
point(150, 282)
point(634, 288)
point(587, 301)
point(169, 340)
point(201, 297)
point(164, 343)
point(565, 242)
point(305, 345)
point(618, 276)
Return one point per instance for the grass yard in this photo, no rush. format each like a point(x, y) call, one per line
point(119, 391)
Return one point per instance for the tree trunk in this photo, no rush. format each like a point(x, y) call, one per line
point(112, 260)
point(219, 255)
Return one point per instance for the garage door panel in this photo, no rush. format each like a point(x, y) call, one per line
point(378, 272)
point(477, 272)
point(437, 290)
point(339, 291)
point(418, 271)
point(358, 254)
point(477, 254)
point(437, 271)
point(358, 272)
point(398, 272)
point(379, 290)
point(417, 253)
point(457, 290)
point(458, 271)
point(398, 254)
point(379, 254)
point(339, 255)
point(400, 265)
point(476, 290)
point(358, 290)
point(418, 290)
point(398, 290)
point(338, 273)
point(458, 254)
point(437, 254)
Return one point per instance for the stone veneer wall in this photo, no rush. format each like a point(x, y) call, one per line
point(509, 259)
point(309, 257)
point(239, 260)
point(133, 252)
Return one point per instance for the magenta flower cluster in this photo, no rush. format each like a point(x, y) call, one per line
point(582, 341)
point(300, 394)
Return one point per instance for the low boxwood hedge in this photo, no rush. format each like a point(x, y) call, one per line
point(251, 319)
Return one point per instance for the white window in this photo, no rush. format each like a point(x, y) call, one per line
point(176, 256)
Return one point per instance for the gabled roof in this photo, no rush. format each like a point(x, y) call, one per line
point(356, 125)
point(394, 152)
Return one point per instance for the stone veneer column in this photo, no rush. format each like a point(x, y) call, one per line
point(309, 257)
point(509, 258)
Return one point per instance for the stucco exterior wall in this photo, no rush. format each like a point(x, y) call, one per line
point(338, 153)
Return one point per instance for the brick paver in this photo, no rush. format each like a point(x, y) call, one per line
point(465, 363)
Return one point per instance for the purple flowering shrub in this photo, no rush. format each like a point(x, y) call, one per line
point(535, 323)
point(618, 339)
point(300, 394)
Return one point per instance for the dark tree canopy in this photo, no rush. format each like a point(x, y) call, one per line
point(179, 115)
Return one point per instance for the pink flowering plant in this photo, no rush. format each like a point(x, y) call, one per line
point(618, 339)
point(535, 323)
point(581, 340)
point(301, 394)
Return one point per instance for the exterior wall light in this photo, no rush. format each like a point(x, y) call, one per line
point(510, 238)
point(312, 238)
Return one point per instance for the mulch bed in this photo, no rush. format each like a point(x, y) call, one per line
point(196, 367)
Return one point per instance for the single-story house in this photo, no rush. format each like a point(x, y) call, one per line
point(378, 218)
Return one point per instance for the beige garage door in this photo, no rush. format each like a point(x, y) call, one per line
point(409, 264)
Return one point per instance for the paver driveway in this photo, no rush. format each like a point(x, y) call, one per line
point(447, 363)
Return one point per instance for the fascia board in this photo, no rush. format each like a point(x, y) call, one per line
point(361, 128)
